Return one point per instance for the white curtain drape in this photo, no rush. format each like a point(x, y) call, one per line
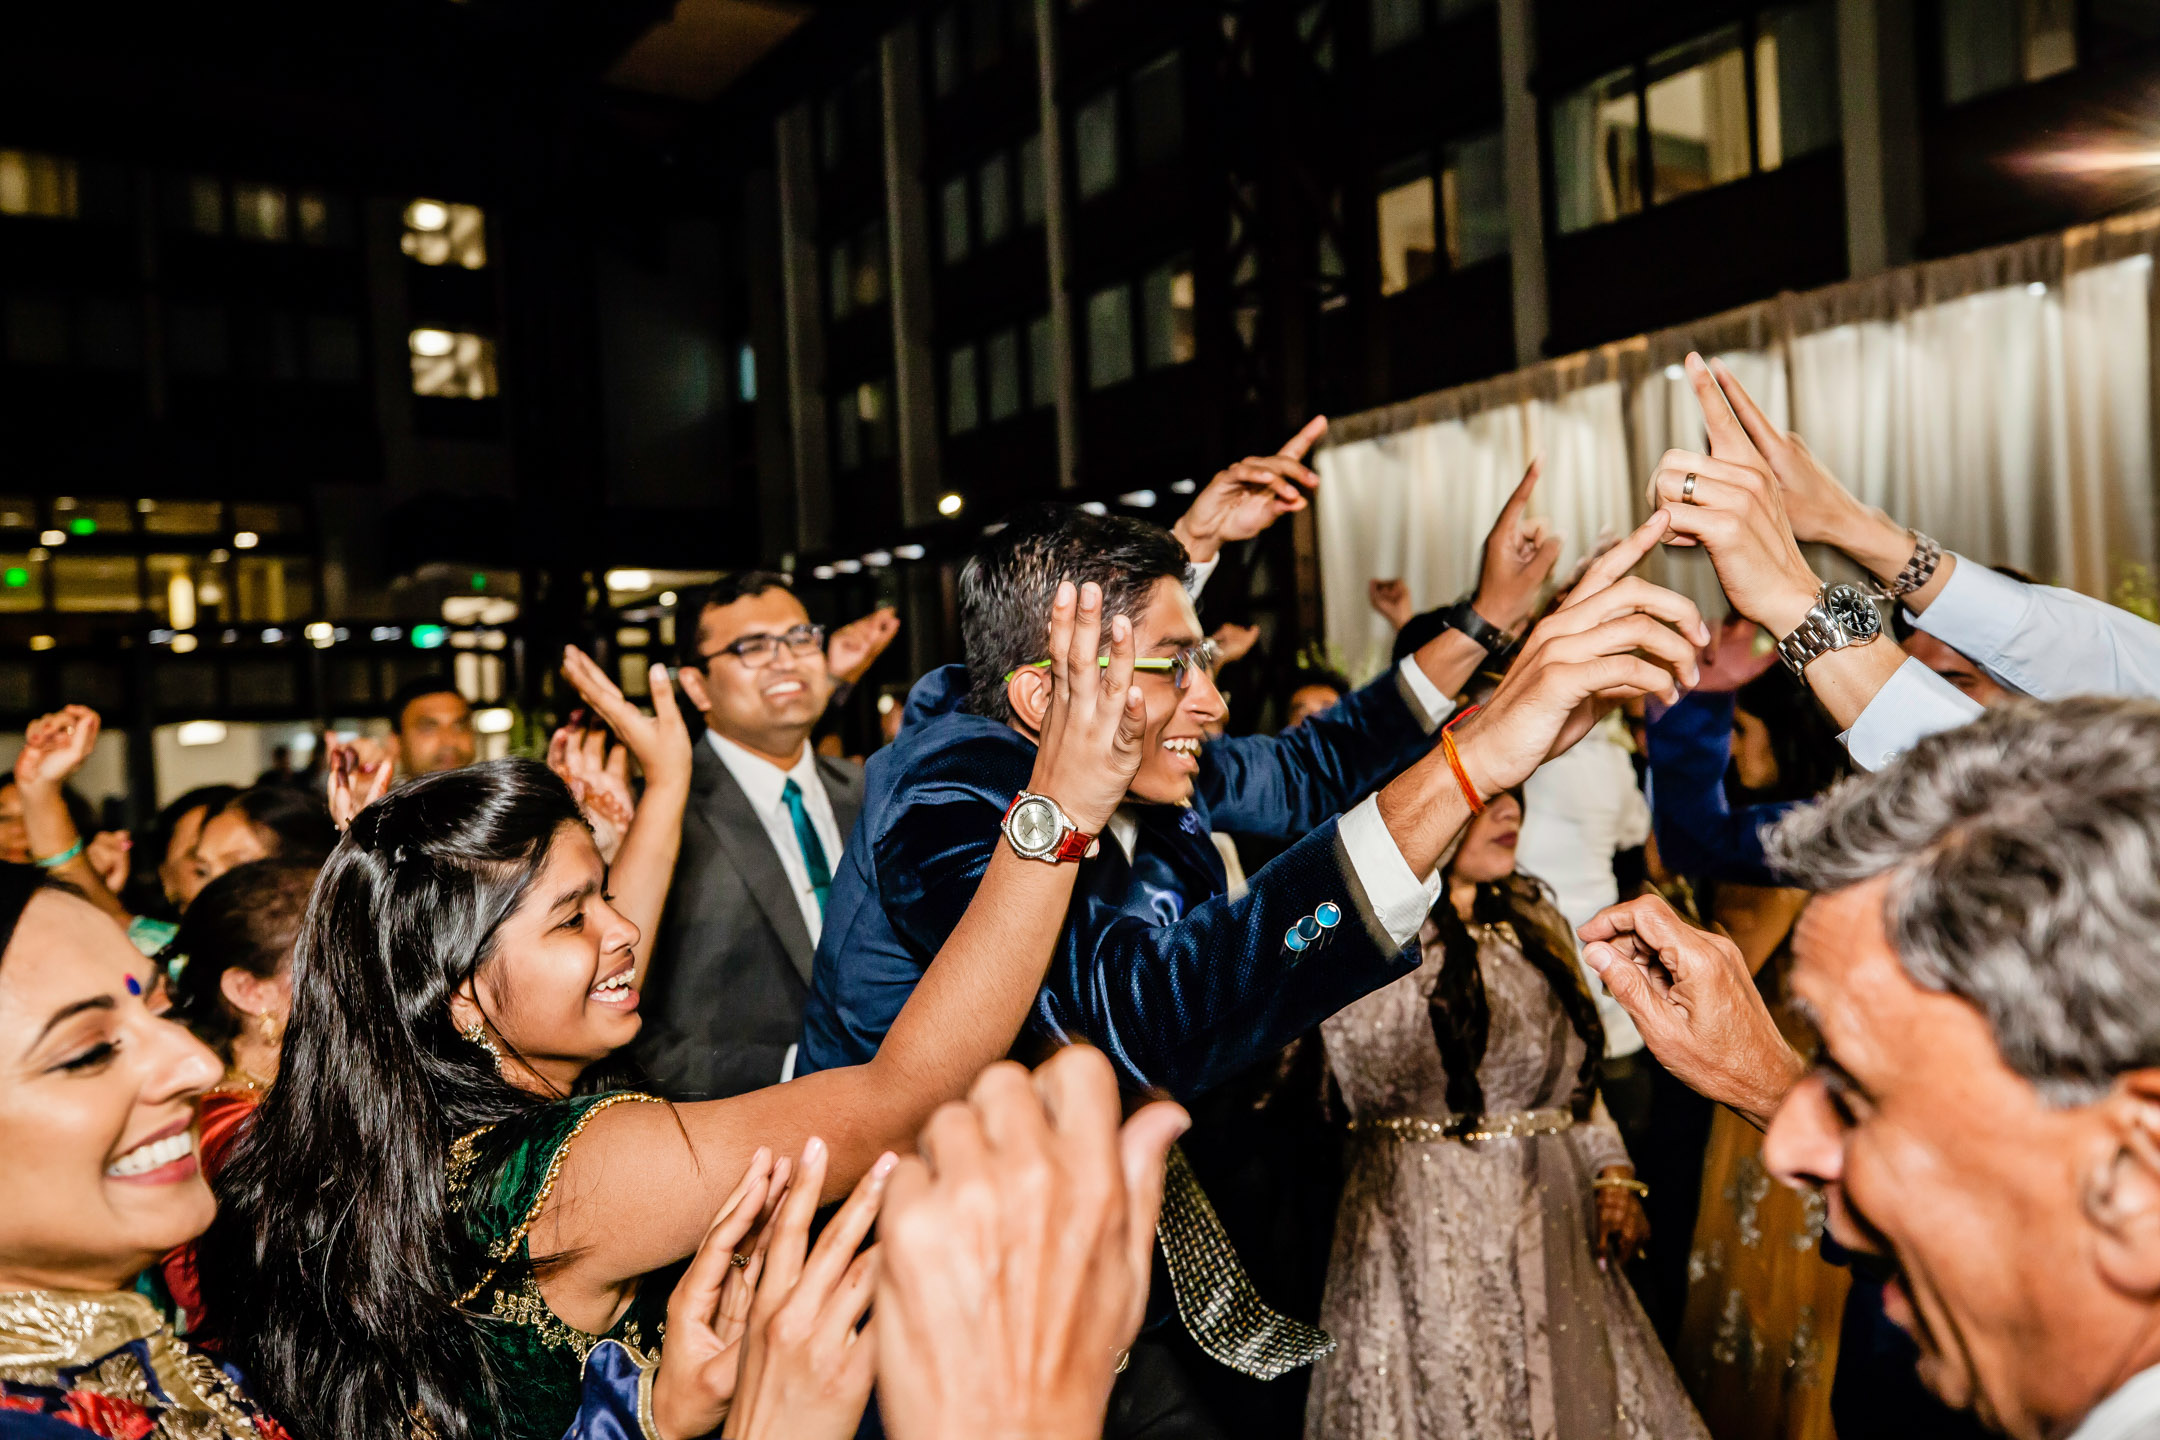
point(2014, 424)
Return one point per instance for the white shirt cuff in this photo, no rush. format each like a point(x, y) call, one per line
point(1425, 697)
point(787, 1065)
point(1913, 704)
point(1978, 613)
point(1197, 575)
point(1399, 899)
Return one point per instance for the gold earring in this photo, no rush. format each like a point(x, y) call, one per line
point(477, 1033)
point(269, 1027)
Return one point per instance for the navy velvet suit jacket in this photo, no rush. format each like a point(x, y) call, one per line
point(1181, 986)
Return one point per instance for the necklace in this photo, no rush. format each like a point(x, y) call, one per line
point(237, 1078)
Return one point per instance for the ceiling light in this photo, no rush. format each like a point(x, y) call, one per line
point(1138, 499)
point(53, 537)
point(321, 634)
point(1675, 372)
point(667, 597)
point(629, 579)
point(201, 732)
point(427, 215)
point(885, 703)
point(245, 540)
point(219, 557)
point(848, 567)
point(1094, 507)
point(878, 559)
point(907, 552)
point(273, 636)
point(386, 632)
point(429, 344)
point(42, 642)
point(821, 572)
point(496, 721)
point(1183, 487)
point(2038, 287)
point(949, 504)
point(183, 644)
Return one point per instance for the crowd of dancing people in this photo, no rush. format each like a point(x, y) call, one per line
point(1605, 1022)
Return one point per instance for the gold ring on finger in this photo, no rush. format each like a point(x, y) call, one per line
point(1687, 489)
point(739, 1260)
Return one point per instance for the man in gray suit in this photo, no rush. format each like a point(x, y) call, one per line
point(762, 837)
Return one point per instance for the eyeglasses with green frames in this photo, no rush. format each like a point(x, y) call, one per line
point(1202, 658)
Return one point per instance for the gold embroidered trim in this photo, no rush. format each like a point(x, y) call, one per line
point(1515, 1124)
point(526, 1306)
point(503, 1249)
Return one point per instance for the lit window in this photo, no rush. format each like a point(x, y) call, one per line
point(22, 581)
point(452, 365)
point(1095, 138)
point(1990, 45)
point(1158, 112)
point(1110, 337)
point(180, 517)
point(259, 212)
point(858, 271)
point(1042, 363)
point(945, 53)
point(267, 520)
point(1408, 249)
point(271, 589)
point(323, 219)
point(993, 186)
point(953, 217)
point(102, 516)
point(746, 373)
point(874, 410)
point(961, 399)
point(1001, 358)
point(1167, 314)
point(1031, 180)
point(1697, 96)
point(1595, 155)
point(205, 205)
point(42, 185)
point(438, 232)
point(1796, 99)
point(94, 584)
point(1396, 22)
point(1474, 200)
point(18, 512)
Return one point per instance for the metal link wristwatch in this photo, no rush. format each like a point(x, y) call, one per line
point(1842, 616)
point(1038, 830)
point(1926, 557)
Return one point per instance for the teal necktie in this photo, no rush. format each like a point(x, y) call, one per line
point(813, 853)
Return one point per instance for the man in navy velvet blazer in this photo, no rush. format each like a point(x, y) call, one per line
point(1181, 985)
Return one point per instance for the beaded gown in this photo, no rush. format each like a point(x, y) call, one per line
point(1462, 1290)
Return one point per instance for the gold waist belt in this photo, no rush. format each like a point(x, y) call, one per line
point(1464, 1128)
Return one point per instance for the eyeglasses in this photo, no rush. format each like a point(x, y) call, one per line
point(1200, 659)
point(757, 650)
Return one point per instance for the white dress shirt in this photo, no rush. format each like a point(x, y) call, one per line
point(2131, 1413)
point(763, 782)
point(1579, 809)
point(2045, 641)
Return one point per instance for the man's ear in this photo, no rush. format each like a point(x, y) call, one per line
point(693, 686)
point(1028, 693)
point(2119, 1185)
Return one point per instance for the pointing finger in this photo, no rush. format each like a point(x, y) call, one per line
point(1296, 447)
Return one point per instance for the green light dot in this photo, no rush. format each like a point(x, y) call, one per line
point(82, 525)
point(16, 577)
point(479, 581)
point(428, 637)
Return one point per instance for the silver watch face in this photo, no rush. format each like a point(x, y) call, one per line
point(1035, 826)
point(1854, 612)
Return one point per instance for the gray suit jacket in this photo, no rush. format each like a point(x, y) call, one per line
point(724, 998)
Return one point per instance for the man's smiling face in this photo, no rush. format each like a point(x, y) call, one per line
point(1177, 719)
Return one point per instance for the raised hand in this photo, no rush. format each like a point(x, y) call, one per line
point(107, 853)
point(1247, 497)
point(1017, 1252)
point(660, 741)
point(1622, 1227)
point(1234, 642)
point(598, 775)
point(54, 748)
point(1391, 600)
point(1519, 556)
point(854, 647)
point(1690, 994)
point(806, 1367)
point(1616, 637)
point(354, 783)
point(709, 1310)
point(1089, 747)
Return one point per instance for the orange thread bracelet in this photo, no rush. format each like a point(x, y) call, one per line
point(1454, 760)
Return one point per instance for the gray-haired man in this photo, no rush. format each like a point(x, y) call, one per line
point(1982, 964)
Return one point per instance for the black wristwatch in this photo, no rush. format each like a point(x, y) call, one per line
point(1463, 616)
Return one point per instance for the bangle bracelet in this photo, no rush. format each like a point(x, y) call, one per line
point(54, 862)
point(1621, 1182)
point(1454, 759)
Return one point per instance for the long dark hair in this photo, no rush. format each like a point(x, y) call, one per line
point(1461, 1013)
point(246, 919)
point(330, 1270)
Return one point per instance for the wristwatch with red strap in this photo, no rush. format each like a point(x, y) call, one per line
point(1038, 830)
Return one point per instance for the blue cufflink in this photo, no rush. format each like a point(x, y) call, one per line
point(1309, 929)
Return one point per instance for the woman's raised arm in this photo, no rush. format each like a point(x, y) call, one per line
point(634, 1195)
